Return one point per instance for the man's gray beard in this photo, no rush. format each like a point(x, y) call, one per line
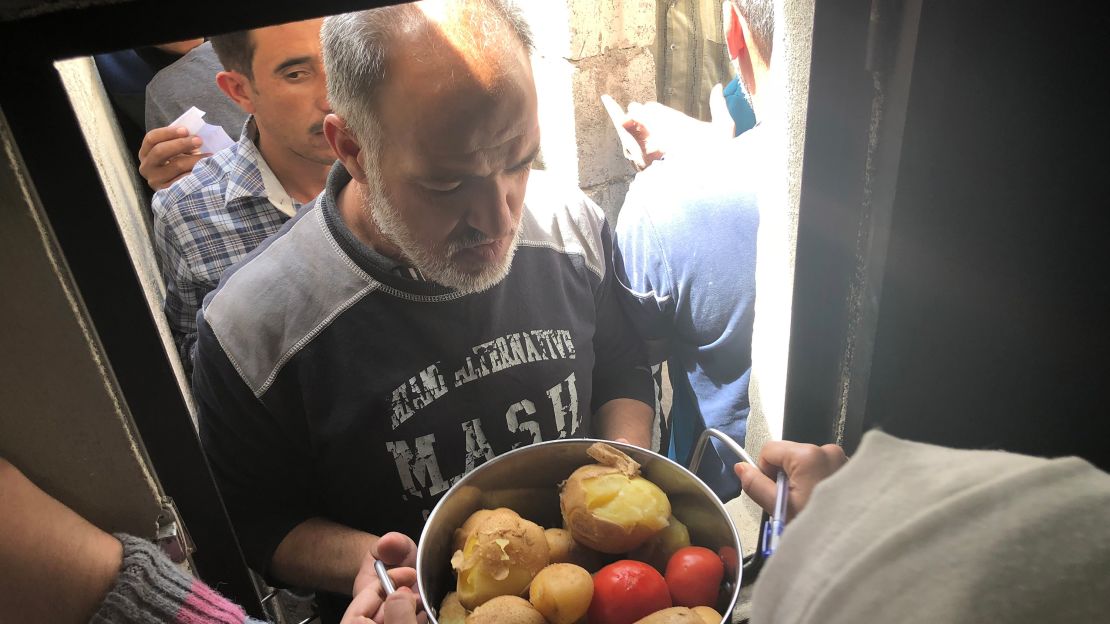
point(434, 263)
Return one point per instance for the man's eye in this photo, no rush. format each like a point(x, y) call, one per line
point(441, 187)
point(524, 166)
point(296, 75)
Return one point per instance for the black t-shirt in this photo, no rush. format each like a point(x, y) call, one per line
point(330, 386)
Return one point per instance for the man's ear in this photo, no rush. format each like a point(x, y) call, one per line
point(237, 87)
point(346, 148)
point(734, 32)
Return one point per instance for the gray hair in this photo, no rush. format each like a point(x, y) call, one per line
point(761, 20)
point(355, 47)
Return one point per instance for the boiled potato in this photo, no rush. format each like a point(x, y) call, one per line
point(500, 557)
point(563, 549)
point(506, 610)
point(674, 615)
point(458, 541)
point(561, 592)
point(708, 614)
point(610, 508)
point(657, 551)
point(451, 610)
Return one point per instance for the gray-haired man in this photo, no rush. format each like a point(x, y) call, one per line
point(439, 305)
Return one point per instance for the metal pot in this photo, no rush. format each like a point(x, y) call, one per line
point(526, 481)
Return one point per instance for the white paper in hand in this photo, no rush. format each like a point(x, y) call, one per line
point(213, 138)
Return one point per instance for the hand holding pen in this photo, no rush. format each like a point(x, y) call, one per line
point(784, 477)
point(387, 599)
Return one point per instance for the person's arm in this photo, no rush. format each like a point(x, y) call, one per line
point(625, 420)
point(623, 392)
point(262, 463)
point(646, 287)
point(660, 129)
point(54, 565)
point(183, 297)
point(805, 465)
point(57, 567)
point(322, 554)
point(166, 155)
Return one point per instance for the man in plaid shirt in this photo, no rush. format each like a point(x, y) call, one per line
point(211, 218)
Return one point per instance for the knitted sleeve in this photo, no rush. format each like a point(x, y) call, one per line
point(150, 588)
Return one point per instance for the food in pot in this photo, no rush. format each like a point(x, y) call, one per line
point(563, 549)
point(506, 610)
point(451, 610)
point(708, 614)
point(608, 506)
point(458, 541)
point(694, 577)
point(657, 551)
point(676, 615)
point(562, 593)
point(627, 591)
point(500, 557)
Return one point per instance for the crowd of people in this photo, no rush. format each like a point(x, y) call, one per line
point(372, 293)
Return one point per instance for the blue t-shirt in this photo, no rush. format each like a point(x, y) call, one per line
point(685, 249)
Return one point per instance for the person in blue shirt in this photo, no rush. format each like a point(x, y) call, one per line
point(685, 248)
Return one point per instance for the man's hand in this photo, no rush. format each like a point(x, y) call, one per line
point(805, 466)
point(393, 549)
point(166, 155)
point(660, 129)
point(403, 607)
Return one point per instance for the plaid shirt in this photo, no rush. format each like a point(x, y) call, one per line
point(208, 221)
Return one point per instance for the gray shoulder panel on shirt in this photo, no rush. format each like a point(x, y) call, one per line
point(560, 217)
point(273, 305)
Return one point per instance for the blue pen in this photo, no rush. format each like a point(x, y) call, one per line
point(773, 530)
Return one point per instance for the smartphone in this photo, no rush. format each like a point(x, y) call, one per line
point(632, 150)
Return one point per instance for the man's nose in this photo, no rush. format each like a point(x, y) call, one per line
point(491, 212)
point(322, 95)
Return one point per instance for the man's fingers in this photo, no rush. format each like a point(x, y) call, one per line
point(160, 135)
point(365, 604)
point(757, 485)
point(400, 607)
point(395, 549)
point(168, 149)
point(773, 455)
point(403, 577)
point(160, 177)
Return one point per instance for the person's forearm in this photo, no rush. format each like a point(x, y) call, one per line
point(321, 554)
point(626, 419)
point(54, 565)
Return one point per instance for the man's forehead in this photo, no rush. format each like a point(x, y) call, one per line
point(287, 40)
point(457, 117)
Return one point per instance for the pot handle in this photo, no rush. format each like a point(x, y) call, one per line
point(754, 562)
point(703, 442)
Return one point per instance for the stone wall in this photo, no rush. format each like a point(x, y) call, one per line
point(585, 48)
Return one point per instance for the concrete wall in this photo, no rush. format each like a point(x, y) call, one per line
point(585, 48)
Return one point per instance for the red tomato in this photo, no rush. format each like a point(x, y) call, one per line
point(731, 559)
point(694, 577)
point(627, 591)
